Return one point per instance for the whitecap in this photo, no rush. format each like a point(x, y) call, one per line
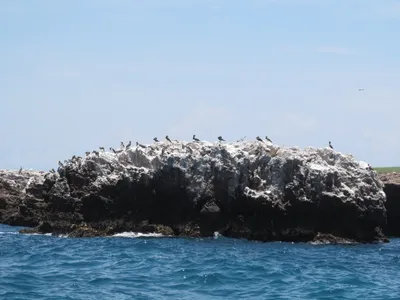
point(137, 234)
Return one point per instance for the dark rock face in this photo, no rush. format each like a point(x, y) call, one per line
point(249, 190)
point(392, 191)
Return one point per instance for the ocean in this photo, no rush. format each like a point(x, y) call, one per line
point(131, 266)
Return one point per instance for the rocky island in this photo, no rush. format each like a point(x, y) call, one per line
point(248, 189)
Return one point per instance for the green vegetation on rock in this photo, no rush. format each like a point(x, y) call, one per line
point(387, 169)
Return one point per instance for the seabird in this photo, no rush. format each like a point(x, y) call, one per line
point(128, 145)
point(95, 152)
point(116, 151)
point(20, 170)
point(155, 139)
point(167, 138)
point(259, 139)
point(195, 138)
point(268, 139)
point(60, 164)
point(361, 90)
point(221, 139)
point(87, 153)
point(73, 157)
point(52, 171)
point(330, 145)
point(122, 145)
point(102, 149)
point(140, 145)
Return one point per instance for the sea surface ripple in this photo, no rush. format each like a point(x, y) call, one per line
point(47, 267)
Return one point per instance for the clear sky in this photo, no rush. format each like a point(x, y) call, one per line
point(75, 75)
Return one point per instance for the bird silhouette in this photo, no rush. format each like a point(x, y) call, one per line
point(168, 139)
point(155, 139)
point(259, 139)
point(221, 139)
point(268, 139)
point(140, 145)
point(195, 138)
point(330, 145)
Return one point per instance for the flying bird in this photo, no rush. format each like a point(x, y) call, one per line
point(361, 90)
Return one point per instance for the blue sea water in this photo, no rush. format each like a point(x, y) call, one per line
point(47, 267)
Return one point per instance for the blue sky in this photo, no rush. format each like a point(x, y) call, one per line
point(75, 75)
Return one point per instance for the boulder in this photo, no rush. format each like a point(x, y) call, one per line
point(392, 191)
point(252, 190)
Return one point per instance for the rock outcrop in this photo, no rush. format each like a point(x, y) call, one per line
point(251, 190)
point(392, 191)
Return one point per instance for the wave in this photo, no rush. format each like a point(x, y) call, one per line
point(138, 235)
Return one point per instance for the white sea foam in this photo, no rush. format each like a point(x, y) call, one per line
point(137, 234)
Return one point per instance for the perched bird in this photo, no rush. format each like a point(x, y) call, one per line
point(259, 139)
point(195, 138)
point(102, 149)
point(122, 145)
point(52, 171)
point(140, 145)
point(95, 152)
point(268, 139)
point(167, 138)
point(221, 139)
point(330, 145)
point(20, 170)
point(128, 145)
point(60, 164)
point(155, 139)
point(113, 150)
point(87, 153)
